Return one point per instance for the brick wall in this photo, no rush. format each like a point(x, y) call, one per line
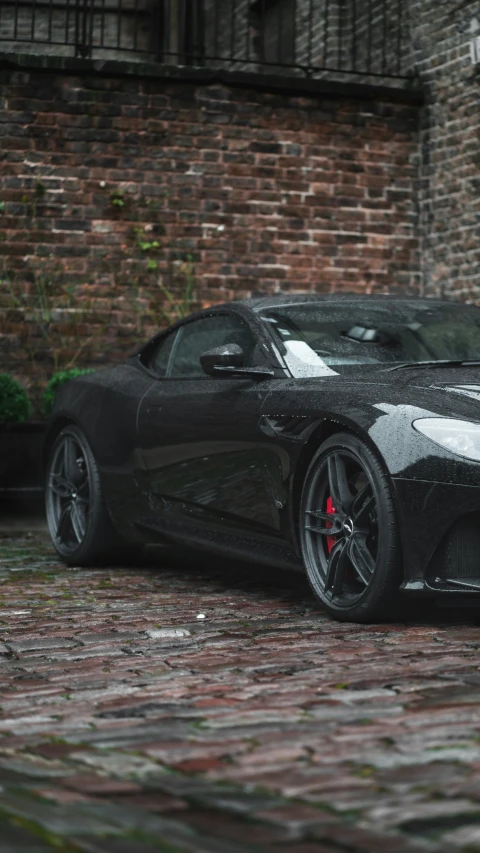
point(115, 188)
point(449, 181)
point(118, 187)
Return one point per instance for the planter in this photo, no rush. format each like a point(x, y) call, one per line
point(21, 446)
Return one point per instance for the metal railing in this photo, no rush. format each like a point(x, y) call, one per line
point(294, 37)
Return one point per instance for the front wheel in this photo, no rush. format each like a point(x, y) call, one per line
point(348, 531)
point(81, 530)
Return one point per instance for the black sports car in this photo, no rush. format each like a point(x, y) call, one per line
point(340, 434)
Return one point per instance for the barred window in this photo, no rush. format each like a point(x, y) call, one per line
point(279, 32)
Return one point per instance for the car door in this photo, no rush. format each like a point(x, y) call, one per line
point(203, 467)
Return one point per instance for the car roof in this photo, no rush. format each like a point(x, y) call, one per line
point(260, 303)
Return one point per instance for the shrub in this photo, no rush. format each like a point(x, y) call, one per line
point(14, 404)
point(58, 379)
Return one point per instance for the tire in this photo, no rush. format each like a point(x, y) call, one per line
point(348, 532)
point(80, 527)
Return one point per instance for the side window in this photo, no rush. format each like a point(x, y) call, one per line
point(161, 355)
point(207, 333)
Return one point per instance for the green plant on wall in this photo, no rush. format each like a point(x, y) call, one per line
point(56, 312)
point(14, 404)
point(132, 204)
point(57, 325)
point(161, 289)
point(160, 303)
point(57, 321)
point(32, 200)
point(117, 198)
point(143, 242)
point(178, 300)
point(164, 302)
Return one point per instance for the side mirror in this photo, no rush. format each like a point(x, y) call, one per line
point(228, 355)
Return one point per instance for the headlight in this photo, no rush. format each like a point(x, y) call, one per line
point(459, 437)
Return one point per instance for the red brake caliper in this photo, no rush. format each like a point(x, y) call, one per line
point(331, 511)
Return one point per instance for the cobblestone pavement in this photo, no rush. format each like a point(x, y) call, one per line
point(131, 724)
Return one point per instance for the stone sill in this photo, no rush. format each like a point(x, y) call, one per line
point(406, 90)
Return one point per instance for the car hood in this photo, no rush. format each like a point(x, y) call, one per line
point(454, 390)
point(414, 377)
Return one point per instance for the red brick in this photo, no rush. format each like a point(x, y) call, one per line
point(297, 167)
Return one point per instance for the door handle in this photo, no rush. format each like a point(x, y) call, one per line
point(153, 409)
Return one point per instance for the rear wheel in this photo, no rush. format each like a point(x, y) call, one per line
point(81, 530)
point(348, 531)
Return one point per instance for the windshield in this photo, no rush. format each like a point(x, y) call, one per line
point(319, 337)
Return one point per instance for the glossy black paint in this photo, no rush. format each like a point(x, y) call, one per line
point(219, 462)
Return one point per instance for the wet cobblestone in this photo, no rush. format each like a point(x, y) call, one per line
point(128, 725)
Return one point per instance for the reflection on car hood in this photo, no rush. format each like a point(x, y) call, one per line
point(421, 376)
point(472, 391)
point(456, 382)
point(455, 386)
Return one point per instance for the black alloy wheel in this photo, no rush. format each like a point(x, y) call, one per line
point(80, 527)
point(68, 493)
point(348, 531)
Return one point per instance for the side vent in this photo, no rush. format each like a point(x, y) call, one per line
point(287, 426)
point(458, 555)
